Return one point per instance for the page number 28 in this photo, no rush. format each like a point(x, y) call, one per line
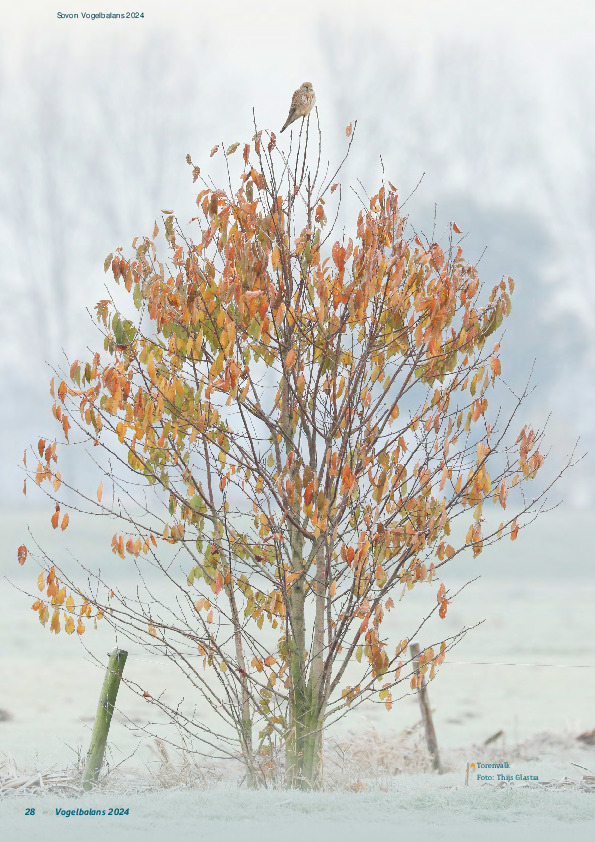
point(30, 811)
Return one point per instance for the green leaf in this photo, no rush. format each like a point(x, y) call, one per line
point(124, 331)
point(196, 504)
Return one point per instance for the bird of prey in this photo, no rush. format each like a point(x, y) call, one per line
point(302, 102)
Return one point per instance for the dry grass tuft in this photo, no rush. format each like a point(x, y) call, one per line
point(180, 770)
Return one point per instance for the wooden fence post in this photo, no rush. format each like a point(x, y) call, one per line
point(103, 719)
point(426, 713)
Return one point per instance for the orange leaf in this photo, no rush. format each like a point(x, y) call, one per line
point(456, 228)
point(210, 616)
point(62, 391)
point(218, 581)
point(55, 517)
point(151, 369)
point(309, 493)
point(100, 491)
point(290, 358)
point(514, 531)
point(270, 660)
point(41, 446)
point(64, 522)
point(80, 629)
point(333, 587)
point(22, 554)
point(348, 130)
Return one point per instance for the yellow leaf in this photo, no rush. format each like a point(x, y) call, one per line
point(69, 624)
point(100, 491)
point(152, 631)
point(69, 601)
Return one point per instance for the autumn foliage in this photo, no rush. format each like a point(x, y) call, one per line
point(313, 414)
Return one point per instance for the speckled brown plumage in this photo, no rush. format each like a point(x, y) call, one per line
point(302, 102)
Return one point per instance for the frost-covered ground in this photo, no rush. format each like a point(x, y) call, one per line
point(385, 808)
point(536, 598)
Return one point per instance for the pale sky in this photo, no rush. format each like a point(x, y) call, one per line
point(506, 126)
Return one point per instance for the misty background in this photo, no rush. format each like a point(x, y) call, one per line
point(493, 109)
point(482, 114)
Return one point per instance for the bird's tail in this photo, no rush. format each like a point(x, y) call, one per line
point(287, 122)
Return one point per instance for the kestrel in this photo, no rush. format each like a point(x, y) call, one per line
point(302, 102)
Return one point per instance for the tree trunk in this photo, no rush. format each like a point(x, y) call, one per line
point(304, 745)
point(304, 738)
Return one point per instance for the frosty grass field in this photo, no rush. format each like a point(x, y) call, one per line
point(536, 598)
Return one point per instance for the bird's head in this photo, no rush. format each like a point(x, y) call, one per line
point(307, 86)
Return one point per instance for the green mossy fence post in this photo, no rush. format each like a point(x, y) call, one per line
point(103, 719)
point(426, 714)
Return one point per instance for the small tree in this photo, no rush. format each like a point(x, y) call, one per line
point(312, 419)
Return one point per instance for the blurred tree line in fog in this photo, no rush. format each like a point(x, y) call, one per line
point(94, 146)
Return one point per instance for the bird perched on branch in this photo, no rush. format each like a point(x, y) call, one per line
point(302, 102)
